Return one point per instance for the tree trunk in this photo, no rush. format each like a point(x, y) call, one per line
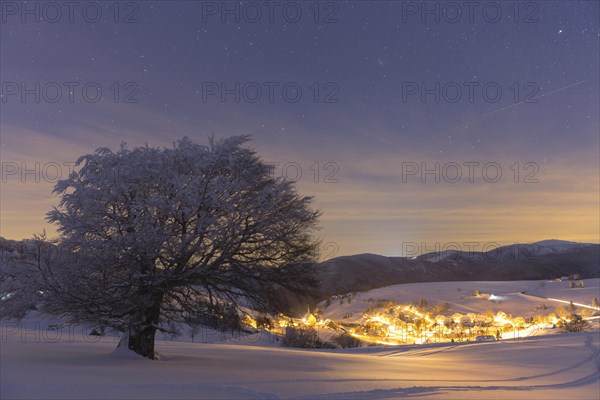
point(141, 337)
point(142, 342)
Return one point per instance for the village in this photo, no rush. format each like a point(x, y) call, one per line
point(389, 323)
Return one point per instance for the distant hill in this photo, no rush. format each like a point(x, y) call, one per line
point(547, 259)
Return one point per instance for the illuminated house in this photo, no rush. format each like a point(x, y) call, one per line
point(309, 318)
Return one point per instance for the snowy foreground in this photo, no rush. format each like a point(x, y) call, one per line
point(547, 367)
point(39, 361)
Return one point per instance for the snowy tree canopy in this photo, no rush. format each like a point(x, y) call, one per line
point(150, 235)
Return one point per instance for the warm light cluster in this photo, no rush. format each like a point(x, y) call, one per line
point(409, 324)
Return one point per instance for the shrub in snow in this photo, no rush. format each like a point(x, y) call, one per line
point(346, 341)
point(302, 337)
point(262, 321)
point(220, 316)
point(575, 324)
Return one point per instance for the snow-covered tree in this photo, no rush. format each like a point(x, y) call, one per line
point(20, 279)
point(155, 235)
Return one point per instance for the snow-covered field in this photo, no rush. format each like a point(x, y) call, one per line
point(508, 297)
point(37, 362)
point(551, 367)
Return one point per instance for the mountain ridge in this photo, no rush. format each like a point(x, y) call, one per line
point(546, 259)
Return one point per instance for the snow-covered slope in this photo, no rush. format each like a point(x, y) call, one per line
point(459, 296)
point(561, 366)
point(560, 245)
point(551, 246)
point(42, 361)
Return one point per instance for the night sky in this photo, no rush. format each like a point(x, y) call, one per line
point(373, 90)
